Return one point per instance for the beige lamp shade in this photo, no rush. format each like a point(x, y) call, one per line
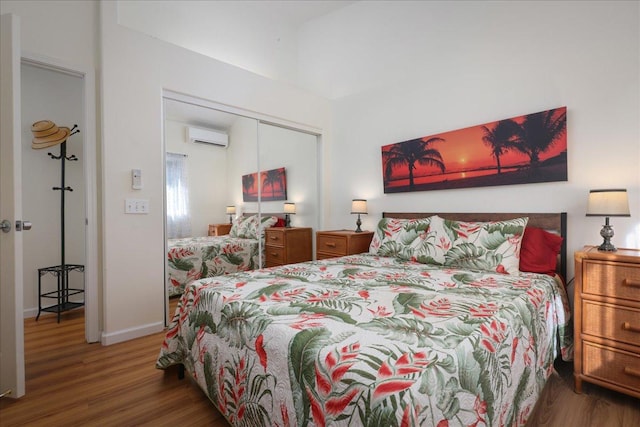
point(358, 206)
point(608, 203)
point(289, 208)
point(231, 210)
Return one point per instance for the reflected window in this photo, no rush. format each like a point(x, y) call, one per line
point(178, 214)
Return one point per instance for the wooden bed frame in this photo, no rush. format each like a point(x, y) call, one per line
point(552, 222)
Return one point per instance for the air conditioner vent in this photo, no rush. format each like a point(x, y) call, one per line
point(207, 136)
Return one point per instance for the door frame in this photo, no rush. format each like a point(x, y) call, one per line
point(12, 370)
point(90, 165)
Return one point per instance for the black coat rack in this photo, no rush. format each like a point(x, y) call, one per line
point(61, 272)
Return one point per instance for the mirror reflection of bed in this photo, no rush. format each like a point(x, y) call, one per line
point(204, 179)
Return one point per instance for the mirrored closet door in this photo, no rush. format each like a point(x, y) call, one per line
point(219, 166)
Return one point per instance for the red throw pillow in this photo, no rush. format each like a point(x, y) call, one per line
point(539, 251)
point(279, 222)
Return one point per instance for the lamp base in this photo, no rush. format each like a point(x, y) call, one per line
point(287, 221)
point(607, 234)
point(358, 224)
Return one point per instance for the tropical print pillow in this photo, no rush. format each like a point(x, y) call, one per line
point(250, 227)
point(258, 227)
point(238, 228)
point(407, 239)
point(491, 246)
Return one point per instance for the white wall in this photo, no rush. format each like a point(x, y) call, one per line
point(65, 30)
point(207, 177)
point(242, 159)
point(426, 67)
point(50, 95)
point(135, 70)
point(296, 152)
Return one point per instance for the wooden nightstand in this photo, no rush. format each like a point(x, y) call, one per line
point(335, 243)
point(219, 229)
point(607, 319)
point(287, 245)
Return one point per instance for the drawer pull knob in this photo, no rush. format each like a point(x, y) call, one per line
point(627, 327)
point(273, 237)
point(331, 245)
point(631, 282)
point(274, 254)
point(631, 371)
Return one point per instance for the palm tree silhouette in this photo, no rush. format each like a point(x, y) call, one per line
point(502, 138)
point(539, 132)
point(247, 182)
point(271, 178)
point(409, 153)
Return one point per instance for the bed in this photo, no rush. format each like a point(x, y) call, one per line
point(440, 334)
point(193, 258)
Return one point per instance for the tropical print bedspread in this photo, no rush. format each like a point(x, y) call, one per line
point(370, 341)
point(193, 258)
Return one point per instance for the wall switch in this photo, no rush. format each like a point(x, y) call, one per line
point(136, 206)
point(136, 179)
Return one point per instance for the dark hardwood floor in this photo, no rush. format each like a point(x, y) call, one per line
point(72, 383)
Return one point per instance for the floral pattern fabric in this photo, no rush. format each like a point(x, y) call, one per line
point(251, 226)
point(194, 258)
point(493, 246)
point(368, 340)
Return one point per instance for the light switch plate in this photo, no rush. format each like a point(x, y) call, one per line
point(136, 206)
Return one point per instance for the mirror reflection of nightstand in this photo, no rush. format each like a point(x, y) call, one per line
point(219, 229)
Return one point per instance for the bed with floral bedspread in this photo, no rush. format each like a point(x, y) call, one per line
point(437, 326)
point(194, 258)
point(370, 340)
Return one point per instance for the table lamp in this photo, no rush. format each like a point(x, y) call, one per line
point(289, 209)
point(607, 203)
point(231, 210)
point(359, 206)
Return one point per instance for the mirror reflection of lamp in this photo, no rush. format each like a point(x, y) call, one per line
point(359, 206)
point(289, 209)
point(231, 210)
point(608, 203)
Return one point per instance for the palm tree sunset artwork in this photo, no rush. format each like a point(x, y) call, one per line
point(272, 184)
point(520, 150)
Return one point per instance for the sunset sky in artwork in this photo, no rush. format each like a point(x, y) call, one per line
point(464, 150)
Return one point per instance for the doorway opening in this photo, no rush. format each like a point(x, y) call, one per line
point(55, 92)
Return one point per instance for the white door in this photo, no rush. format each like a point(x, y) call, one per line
point(12, 377)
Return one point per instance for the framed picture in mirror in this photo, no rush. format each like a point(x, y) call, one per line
point(272, 184)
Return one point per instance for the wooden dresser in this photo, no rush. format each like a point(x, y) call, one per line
point(330, 244)
point(607, 319)
point(219, 229)
point(287, 245)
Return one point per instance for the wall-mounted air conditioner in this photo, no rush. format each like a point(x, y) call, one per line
point(207, 136)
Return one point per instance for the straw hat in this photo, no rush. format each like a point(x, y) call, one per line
point(47, 134)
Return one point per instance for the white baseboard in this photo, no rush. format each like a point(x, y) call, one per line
point(109, 338)
point(29, 313)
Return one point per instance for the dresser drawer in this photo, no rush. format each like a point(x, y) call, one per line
point(274, 256)
point(611, 322)
point(614, 366)
point(332, 244)
point(611, 279)
point(274, 237)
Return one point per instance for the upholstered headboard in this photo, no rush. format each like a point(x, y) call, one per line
point(552, 222)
